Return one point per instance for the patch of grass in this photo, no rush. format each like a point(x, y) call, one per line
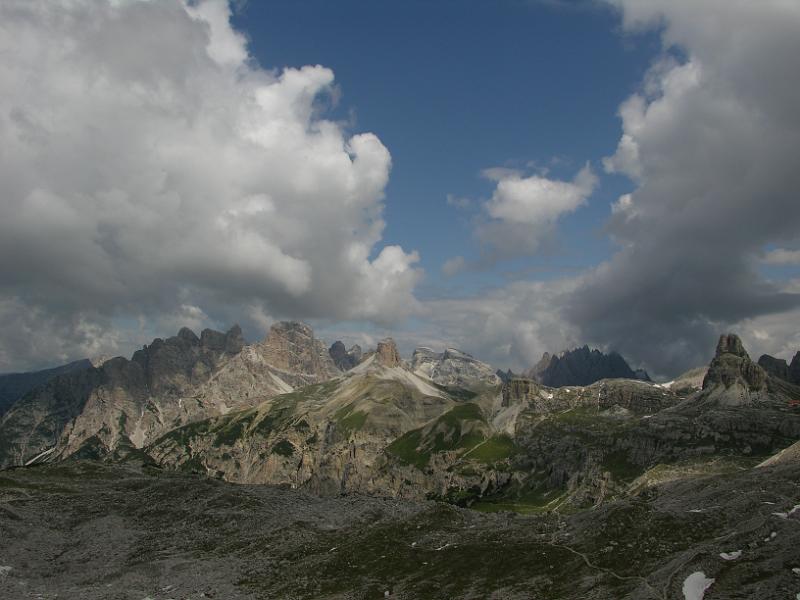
point(234, 429)
point(183, 435)
point(353, 422)
point(470, 439)
point(620, 467)
point(406, 448)
point(496, 448)
point(349, 420)
point(462, 412)
point(530, 501)
point(444, 435)
point(279, 415)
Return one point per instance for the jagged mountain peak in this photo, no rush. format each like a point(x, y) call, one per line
point(387, 354)
point(344, 358)
point(730, 343)
point(733, 379)
point(581, 366)
point(187, 335)
point(291, 346)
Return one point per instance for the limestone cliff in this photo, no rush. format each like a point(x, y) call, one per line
point(165, 385)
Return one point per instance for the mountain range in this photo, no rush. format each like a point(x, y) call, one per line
point(291, 412)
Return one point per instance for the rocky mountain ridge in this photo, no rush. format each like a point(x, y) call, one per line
point(170, 382)
point(14, 386)
point(581, 366)
point(778, 367)
point(518, 442)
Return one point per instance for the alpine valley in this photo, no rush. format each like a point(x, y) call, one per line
point(208, 467)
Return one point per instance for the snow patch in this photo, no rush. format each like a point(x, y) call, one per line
point(786, 515)
point(695, 586)
point(34, 459)
point(730, 555)
point(4, 571)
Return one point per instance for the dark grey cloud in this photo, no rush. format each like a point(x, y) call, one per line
point(711, 143)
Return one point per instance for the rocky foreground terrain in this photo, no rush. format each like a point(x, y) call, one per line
point(95, 531)
point(208, 467)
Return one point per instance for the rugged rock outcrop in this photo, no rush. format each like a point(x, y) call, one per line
point(505, 376)
point(733, 378)
point(14, 386)
point(775, 367)
point(581, 366)
point(778, 367)
point(386, 353)
point(639, 398)
point(794, 369)
point(291, 348)
point(452, 368)
point(343, 358)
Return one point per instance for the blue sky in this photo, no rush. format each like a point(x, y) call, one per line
point(452, 88)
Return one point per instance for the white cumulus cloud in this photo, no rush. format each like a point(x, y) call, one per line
point(148, 164)
point(523, 212)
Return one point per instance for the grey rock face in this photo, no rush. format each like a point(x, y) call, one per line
point(732, 377)
point(452, 368)
point(581, 366)
point(777, 367)
point(292, 348)
point(505, 376)
point(343, 358)
point(730, 343)
point(231, 342)
point(794, 369)
point(386, 353)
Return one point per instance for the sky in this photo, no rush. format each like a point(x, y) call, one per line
point(506, 177)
